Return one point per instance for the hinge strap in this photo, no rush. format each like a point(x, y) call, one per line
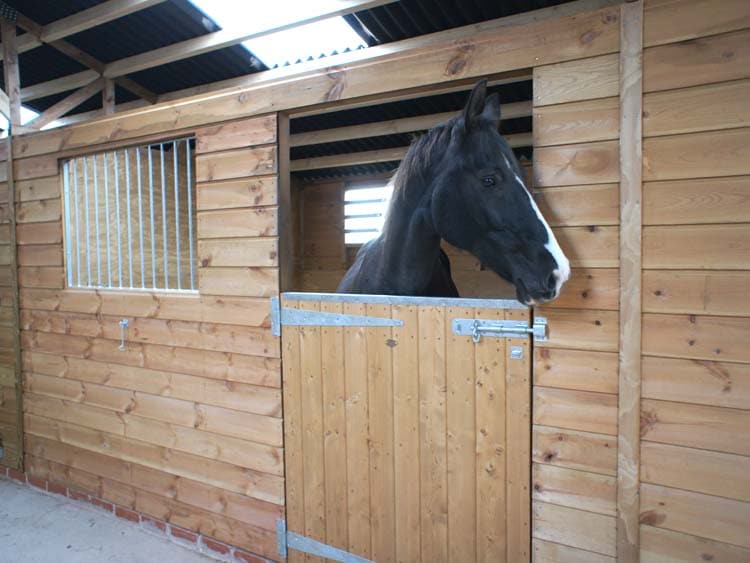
point(290, 540)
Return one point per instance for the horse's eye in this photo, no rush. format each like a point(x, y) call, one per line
point(488, 181)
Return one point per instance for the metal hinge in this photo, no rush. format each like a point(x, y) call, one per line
point(286, 540)
point(476, 328)
point(286, 316)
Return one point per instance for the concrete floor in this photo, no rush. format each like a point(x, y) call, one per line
point(36, 527)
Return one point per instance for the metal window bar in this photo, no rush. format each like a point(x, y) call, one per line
point(83, 241)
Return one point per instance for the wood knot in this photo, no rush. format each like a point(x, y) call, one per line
point(585, 294)
point(338, 79)
point(707, 557)
point(648, 421)
point(391, 343)
point(652, 518)
point(549, 456)
point(589, 36)
point(460, 60)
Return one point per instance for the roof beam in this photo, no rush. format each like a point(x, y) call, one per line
point(65, 105)
point(84, 58)
point(58, 85)
point(383, 155)
point(394, 126)
point(227, 38)
point(25, 42)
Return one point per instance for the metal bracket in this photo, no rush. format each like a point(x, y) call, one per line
point(286, 540)
point(124, 323)
point(286, 316)
point(476, 328)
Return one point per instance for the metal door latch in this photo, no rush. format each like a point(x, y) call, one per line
point(476, 328)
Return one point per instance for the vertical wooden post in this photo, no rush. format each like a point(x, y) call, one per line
point(10, 69)
point(286, 250)
point(628, 440)
point(108, 97)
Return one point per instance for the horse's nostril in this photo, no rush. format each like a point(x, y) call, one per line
point(552, 281)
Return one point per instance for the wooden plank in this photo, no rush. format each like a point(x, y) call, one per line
point(550, 552)
point(39, 233)
point(589, 288)
point(238, 163)
point(247, 222)
point(659, 545)
point(432, 454)
point(34, 167)
point(67, 104)
point(702, 382)
point(258, 252)
point(40, 255)
point(696, 337)
point(39, 211)
point(38, 188)
point(406, 433)
point(579, 205)
point(576, 528)
point(572, 165)
point(710, 517)
point(246, 192)
point(589, 247)
point(697, 155)
point(718, 200)
point(704, 60)
point(46, 277)
point(711, 247)
point(669, 21)
point(576, 370)
point(108, 97)
point(575, 410)
point(236, 134)
point(700, 108)
point(696, 292)
point(245, 282)
point(490, 369)
point(696, 426)
point(702, 471)
point(583, 79)
point(12, 81)
point(575, 489)
point(582, 330)
point(577, 122)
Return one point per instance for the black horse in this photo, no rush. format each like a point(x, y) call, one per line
point(460, 182)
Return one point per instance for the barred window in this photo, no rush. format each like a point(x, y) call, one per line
point(364, 211)
point(130, 216)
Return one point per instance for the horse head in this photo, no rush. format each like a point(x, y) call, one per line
point(480, 203)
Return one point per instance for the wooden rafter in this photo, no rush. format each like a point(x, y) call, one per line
point(58, 85)
point(227, 38)
point(65, 105)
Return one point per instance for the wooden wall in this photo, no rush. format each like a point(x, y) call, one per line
point(695, 408)
point(185, 425)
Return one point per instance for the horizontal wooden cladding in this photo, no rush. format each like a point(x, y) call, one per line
point(245, 192)
point(577, 122)
point(576, 489)
point(572, 165)
point(244, 311)
point(244, 397)
point(40, 255)
point(667, 21)
point(705, 382)
point(49, 187)
point(192, 414)
point(255, 161)
point(708, 292)
point(39, 233)
point(696, 426)
point(239, 252)
point(247, 222)
point(704, 60)
point(251, 282)
point(583, 79)
point(702, 471)
point(255, 341)
point(580, 205)
point(35, 167)
point(243, 453)
point(662, 546)
point(575, 410)
point(697, 337)
point(193, 493)
point(39, 211)
point(705, 247)
point(700, 108)
point(576, 370)
point(573, 527)
point(697, 155)
point(222, 366)
point(236, 134)
point(51, 277)
point(588, 288)
point(485, 53)
point(582, 329)
point(714, 200)
point(702, 515)
point(589, 247)
point(550, 552)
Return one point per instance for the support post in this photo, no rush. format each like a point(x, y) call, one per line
point(11, 71)
point(108, 97)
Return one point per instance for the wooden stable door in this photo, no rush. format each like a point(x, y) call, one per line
point(406, 443)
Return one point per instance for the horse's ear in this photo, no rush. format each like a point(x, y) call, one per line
point(492, 110)
point(475, 105)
